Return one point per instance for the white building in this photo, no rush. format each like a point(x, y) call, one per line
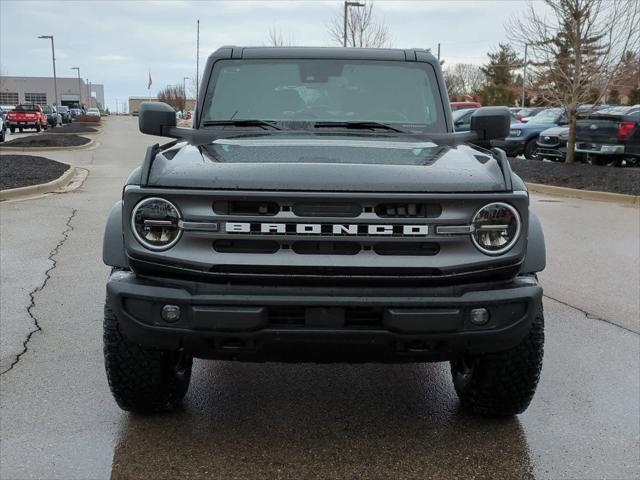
point(71, 91)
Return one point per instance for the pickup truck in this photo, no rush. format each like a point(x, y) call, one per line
point(27, 115)
point(610, 136)
point(322, 208)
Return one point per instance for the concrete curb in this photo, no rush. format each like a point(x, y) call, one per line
point(91, 143)
point(584, 194)
point(33, 190)
point(75, 133)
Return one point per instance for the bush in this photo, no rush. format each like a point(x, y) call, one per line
point(86, 118)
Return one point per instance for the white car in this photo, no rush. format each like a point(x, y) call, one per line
point(93, 112)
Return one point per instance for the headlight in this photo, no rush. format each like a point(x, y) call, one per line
point(564, 136)
point(515, 133)
point(154, 222)
point(496, 228)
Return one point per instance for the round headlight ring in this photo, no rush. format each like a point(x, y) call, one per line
point(146, 243)
point(510, 243)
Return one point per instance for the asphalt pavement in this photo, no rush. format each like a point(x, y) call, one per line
point(239, 420)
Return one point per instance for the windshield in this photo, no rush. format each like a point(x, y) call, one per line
point(311, 91)
point(47, 109)
point(547, 116)
point(25, 108)
point(63, 109)
point(458, 114)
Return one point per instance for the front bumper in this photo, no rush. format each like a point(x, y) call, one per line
point(257, 323)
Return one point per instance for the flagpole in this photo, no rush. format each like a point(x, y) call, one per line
point(197, 66)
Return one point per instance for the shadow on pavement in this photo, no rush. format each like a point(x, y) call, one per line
point(243, 420)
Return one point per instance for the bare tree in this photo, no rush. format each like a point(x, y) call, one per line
point(578, 49)
point(464, 79)
point(363, 30)
point(173, 95)
point(277, 38)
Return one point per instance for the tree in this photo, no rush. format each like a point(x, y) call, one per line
point(464, 79)
point(363, 31)
point(277, 39)
point(173, 95)
point(578, 49)
point(634, 97)
point(500, 88)
point(614, 97)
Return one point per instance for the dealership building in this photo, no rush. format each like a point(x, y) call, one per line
point(71, 91)
point(134, 103)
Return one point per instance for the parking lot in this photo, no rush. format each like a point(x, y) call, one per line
point(307, 421)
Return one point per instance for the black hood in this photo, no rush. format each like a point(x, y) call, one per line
point(335, 163)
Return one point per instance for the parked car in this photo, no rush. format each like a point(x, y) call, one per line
point(65, 113)
point(459, 105)
point(3, 127)
point(53, 118)
point(523, 136)
point(26, 115)
point(6, 108)
point(75, 112)
point(528, 113)
point(462, 119)
point(93, 112)
point(515, 111)
point(610, 135)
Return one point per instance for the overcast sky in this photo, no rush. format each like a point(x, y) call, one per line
point(117, 43)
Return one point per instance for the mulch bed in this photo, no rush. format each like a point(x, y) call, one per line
point(74, 128)
point(578, 175)
point(24, 170)
point(46, 140)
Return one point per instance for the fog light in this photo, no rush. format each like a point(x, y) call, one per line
point(170, 313)
point(479, 316)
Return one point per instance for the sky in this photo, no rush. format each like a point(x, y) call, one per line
point(119, 43)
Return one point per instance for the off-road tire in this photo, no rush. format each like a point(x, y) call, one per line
point(12, 129)
point(531, 149)
point(143, 380)
point(501, 384)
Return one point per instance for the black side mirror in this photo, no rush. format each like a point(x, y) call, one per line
point(155, 118)
point(491, 123)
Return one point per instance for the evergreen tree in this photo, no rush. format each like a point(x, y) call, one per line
point(501, 88)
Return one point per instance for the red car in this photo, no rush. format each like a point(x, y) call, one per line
point(26, 115)
point(459, 105)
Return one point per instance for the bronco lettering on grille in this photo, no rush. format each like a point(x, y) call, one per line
point(338, 229)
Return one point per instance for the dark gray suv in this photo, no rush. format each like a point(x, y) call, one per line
point(322, 208)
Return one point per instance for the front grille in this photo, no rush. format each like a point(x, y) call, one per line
point(408, 210)
point(354, 317)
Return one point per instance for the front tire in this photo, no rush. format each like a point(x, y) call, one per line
point(502, 384)
point(531, 150)
point(143, 380)
point(38, 127)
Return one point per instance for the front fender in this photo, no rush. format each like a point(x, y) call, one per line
point(113, 253)
point(536, 256)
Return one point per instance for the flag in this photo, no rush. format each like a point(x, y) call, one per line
point(150, 82)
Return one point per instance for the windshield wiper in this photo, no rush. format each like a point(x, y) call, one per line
point(243, 123)
point(359, 126)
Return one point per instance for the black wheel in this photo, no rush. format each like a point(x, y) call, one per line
point(20, 129)
point(38, 127)
point(3, 135)
point(503, 383)
point(531, 150)
point(13, 129)
point(143, 380)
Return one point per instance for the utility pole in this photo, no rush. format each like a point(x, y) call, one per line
point(346, 12)
point(89, 93)
point(438, 53)
point(53, 56)
point(184, 90)
point(524, 75)
point(198, 64)
point(116, 106)
point(79, 86)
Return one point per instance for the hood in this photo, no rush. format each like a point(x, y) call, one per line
point(555, 131)
point(287, 162)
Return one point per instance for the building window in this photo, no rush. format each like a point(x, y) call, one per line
point(8, 98)
point(39, 98)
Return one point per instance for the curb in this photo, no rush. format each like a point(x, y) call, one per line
point(584, 194)
point(91, 143)
point(75, 133)
point(33, 190)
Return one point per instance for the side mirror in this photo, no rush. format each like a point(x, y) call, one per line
point(155, 118)
point(491, 123)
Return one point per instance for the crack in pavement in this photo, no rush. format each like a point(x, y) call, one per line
point(32, 294)
point(588, 315)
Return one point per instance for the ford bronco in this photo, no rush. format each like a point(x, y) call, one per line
point(322, 208)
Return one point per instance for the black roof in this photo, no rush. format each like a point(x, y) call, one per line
point(233, 51)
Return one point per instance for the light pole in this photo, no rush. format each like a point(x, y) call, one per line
point(346, 12)
point(184, 90)
point(53, 56)
point(89, 92)
point(79, 86)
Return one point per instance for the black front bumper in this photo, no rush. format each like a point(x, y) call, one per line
point(512, 147)
point(257, 323)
